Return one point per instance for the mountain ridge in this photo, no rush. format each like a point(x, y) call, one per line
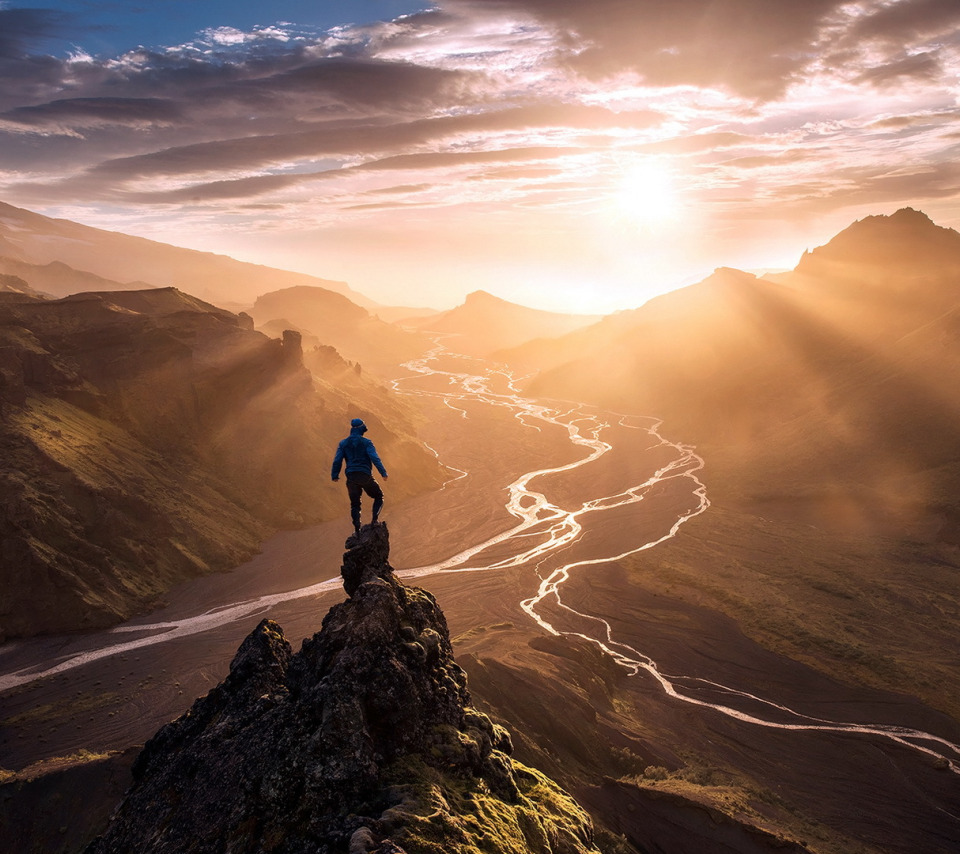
point(731, 360)
point(485, 323)
point(824, 405)
point(31, 238)
point(151, 429)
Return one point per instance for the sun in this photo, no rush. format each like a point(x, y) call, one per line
point(645, 194)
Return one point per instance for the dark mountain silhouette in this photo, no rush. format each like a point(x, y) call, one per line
point(363, 741)
point(369, 734)
point(148, 437)
point(334, 320)
point(485, 323)
point(82, 255)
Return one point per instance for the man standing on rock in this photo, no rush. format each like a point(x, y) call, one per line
point(360, 456)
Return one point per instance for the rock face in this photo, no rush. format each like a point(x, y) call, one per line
point(147, 437)
point(364, 741)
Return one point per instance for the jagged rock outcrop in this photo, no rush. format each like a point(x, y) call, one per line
point(364, 741)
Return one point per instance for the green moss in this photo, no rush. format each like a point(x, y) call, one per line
point(612, 843)
point(438, 812)
point(62, 709)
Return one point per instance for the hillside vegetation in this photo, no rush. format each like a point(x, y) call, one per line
point(148, 437)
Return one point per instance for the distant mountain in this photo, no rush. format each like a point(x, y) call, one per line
point(834, 383)
point(59, 258)
point(131, 263)
point(336, 321)
point(485, 323)
point(147, 437)
point(14, 285)
point(899, 249)
point(59, 280)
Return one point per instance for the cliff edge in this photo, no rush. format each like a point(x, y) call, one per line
point(363, 741)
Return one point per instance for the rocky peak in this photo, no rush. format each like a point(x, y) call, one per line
point(478, 298)
point(363, 741)
point(292, 346)
point(901, 246)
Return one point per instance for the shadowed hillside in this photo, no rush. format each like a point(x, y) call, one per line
point(825, 405)
point(14, 286)
point(815, 388)
point(148, 437)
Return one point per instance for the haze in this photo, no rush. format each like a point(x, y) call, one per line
point(568, 156)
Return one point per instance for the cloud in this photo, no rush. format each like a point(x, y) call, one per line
point(360, 137)
point(885, 44)
point(94, 112)
point(695, 143)
point(262, 184)
point(391, 87)
point(859, 186)
point(916, 120)
point(909, 20)
point(239, 188)
point(446, 159)
point(762, 161)
point(478, 113)
point(751, 47)
point(921, 66)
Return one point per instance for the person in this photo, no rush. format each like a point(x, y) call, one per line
point(361, 456)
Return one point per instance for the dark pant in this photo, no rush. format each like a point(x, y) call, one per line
point(358, 483)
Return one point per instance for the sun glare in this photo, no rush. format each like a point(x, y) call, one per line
point(646, 195)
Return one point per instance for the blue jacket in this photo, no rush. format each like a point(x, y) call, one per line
point(359, 454)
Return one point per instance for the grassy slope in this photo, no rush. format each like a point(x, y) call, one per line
point(884, 613)
point(141, 449)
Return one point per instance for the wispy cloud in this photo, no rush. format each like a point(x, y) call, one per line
point(526, 113)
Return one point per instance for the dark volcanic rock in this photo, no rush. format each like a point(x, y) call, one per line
point(364, 741)
point(367, 558)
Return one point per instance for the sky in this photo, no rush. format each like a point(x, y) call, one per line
point(568, 155)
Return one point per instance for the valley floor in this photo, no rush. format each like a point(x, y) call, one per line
point(712, 716)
